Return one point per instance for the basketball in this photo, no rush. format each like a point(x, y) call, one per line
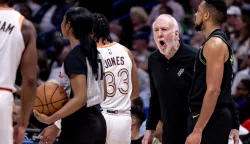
point(50, 97)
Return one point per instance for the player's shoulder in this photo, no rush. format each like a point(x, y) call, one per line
point(126, 49)
point(28, 30)
point(215, 44)
point(122, 46)
point(27, 24)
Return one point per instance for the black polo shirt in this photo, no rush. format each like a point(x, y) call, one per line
point(170, 82)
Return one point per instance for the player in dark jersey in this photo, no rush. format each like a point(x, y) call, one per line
point(210, 101)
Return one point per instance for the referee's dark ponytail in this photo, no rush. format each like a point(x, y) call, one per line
point(81, 21)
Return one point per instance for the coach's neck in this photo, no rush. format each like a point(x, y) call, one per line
point(173, 50)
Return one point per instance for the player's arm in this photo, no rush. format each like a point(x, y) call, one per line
point(29, 71)
point(215, 53)
point(135, 81)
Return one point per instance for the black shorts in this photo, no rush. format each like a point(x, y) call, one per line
point(218, 128)
point(86, 126)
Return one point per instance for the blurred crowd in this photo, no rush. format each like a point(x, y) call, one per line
point(136, 34)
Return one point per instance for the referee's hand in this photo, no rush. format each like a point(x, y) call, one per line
point(49, 134)
point(148, 137)
point(234, 135)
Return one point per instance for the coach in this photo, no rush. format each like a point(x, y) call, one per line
point(170, 69)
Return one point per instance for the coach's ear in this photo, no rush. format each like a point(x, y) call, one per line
point(177, 36)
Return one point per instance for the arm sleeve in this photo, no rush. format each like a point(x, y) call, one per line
point(154, 112)
point(58, 124)
point(235, 114)
point(75, 63)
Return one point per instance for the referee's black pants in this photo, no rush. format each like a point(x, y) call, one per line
point(86, 126)
point(218, 128)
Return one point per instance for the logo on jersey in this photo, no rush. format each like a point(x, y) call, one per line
point(60, 75)
point(110, 52)
point(181, 71)
point(232, 59)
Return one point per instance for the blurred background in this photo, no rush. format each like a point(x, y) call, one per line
point(130, 25)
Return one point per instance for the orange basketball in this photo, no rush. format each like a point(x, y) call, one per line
point(50, 97)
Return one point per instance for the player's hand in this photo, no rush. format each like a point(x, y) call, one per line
point(234, 134)
point(194, 138)
point(49, 134)
point(19, 134)
point(148, 137)
point(42, 117)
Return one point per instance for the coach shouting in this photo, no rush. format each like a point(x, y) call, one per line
point(170, 70)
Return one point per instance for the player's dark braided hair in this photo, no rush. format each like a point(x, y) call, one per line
point(81, 21)
point(101, 28)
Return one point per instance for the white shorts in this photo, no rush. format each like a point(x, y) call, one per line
point(118, 128)
point(6, 127)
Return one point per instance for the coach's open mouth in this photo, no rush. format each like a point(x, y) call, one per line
point(162, 42)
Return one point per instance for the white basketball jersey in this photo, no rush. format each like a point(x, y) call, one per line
point(11, 46)
point(118, 74)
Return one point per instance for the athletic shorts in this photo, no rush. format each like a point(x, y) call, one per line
point(218, 128)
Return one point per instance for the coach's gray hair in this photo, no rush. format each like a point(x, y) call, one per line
point(170, 19)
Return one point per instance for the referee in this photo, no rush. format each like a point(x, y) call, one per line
point(170, 70)
point(82, 76)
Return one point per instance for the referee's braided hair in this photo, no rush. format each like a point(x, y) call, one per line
point(101, 28)
point(81, 22)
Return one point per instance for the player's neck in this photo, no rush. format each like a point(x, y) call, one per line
point(102, 43)
point(209, 30)
point(74, 42)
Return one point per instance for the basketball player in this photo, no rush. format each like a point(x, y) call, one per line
point(122, 83)
point(17, 46)
point(210, 120)
point(82, 76)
